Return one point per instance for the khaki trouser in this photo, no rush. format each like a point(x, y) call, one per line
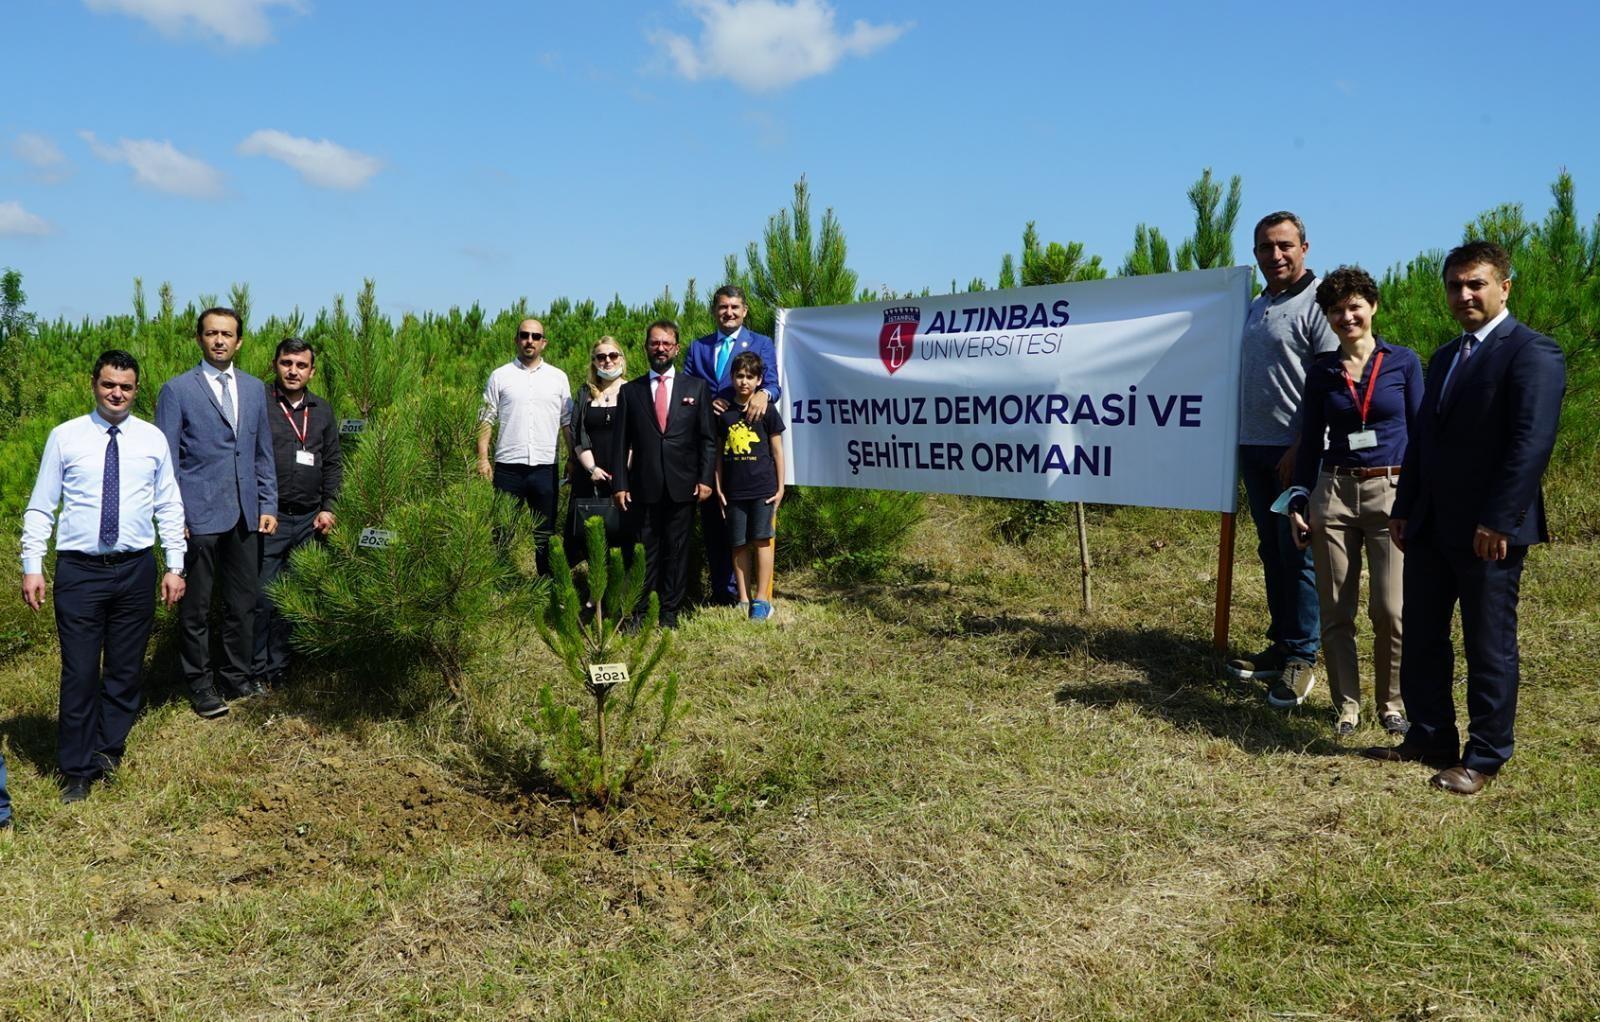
point(1348, 515)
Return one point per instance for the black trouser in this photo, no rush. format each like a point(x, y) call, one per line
point(105, 606)
point(719, 555)
point(535, 486)
point(271, 657)
point(230, 561)
point(1437, 578)
point(663, 528)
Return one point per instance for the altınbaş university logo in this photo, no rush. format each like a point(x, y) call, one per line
point(894, 340)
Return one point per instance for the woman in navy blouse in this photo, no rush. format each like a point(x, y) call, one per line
point(1359, 405)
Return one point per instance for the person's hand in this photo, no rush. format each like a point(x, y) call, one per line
point(719, 405)
point(622, 497)
point(776, 498)
point(172, 588)
point(323, 523)
point(599, 475)
point(33, 591)
point(1286, 466)
point(1300, 529)
point(1397, 533)
point(268, 524)
point(702, 491)
point(1489, 544)
point(756, 407)
point(485, 469)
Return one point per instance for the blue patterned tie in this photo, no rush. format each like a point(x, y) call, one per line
point(722, 357)
point(110, 494)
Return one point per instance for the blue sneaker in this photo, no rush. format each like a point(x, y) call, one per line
point(760, 610)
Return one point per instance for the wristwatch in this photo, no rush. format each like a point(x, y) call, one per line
point(180, 572)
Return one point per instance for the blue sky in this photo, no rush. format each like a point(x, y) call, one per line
point(482, 151)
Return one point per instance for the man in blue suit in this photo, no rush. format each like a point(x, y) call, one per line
point(215, 420)
point(1467, 508)
point(710, 358)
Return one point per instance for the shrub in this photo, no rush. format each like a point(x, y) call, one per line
point(851, 533)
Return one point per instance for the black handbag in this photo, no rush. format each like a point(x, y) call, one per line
point(603, 508)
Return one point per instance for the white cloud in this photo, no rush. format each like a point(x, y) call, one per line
point(322, 163)
point(159, 166)
point(40, 153)
point(769, 44)
point(14, 220)
point(237, 22)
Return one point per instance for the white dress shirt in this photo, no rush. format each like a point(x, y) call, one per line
point(71, 474)
point(214, 380)
point(530, 404)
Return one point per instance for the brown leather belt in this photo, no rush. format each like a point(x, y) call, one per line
point(1377, 472)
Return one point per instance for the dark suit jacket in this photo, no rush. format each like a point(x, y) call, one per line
point(666, 466)
point(702, 361)
point(220, 474)
point(1478, 458)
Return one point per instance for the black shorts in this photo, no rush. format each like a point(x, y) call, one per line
point(748, 520)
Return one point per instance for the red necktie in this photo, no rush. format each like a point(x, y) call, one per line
point(662, 386)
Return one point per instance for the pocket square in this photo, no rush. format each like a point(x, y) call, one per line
point(688, 401)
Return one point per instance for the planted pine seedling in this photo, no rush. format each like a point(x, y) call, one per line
point(609, 656)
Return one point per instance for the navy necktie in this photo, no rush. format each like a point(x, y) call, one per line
point(111, 494)
point(1468, 342)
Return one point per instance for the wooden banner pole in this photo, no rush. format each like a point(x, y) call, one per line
point(1219, 623)
point(1083, 559)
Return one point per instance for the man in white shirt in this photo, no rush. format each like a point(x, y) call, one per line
point(530, 401)
point(111, 476)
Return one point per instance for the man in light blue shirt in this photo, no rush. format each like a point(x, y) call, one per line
point(111, 477)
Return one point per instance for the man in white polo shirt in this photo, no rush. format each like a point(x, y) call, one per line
point(530, 400)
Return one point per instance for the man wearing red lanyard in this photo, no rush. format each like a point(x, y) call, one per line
point(305, 444)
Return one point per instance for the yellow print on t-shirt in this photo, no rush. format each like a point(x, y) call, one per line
point(740, 439)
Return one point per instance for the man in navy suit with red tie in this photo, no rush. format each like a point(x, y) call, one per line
point(664, 463)
point(1467, 508)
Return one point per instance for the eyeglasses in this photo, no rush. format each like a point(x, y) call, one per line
point(607, 356)
point(529, 335)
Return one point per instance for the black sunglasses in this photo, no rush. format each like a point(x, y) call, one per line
point(529, 335)
point(607, 356)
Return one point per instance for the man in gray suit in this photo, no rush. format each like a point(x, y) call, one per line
point(215, 419)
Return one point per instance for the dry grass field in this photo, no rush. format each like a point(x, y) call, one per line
point(949, 794)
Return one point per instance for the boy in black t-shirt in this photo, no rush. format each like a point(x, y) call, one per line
point(750, 485)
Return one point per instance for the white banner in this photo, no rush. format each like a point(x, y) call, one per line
point(1121, 391)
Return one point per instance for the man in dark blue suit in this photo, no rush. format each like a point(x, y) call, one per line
point(1467, 508)
point(215, 419)
point(710, 359)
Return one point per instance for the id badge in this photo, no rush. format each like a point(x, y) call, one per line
point(1364, 439)
point(308, 457)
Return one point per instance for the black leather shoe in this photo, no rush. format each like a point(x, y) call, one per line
point(207, 703)
point(1407, 753)
point(75, 789)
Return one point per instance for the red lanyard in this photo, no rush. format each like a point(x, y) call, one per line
point(1363, 404)
point(305, 420)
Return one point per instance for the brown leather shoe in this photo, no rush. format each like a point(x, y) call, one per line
point(1405, 753)
point(1461, 780)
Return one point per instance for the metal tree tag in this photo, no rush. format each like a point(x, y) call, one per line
point(604, 676)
